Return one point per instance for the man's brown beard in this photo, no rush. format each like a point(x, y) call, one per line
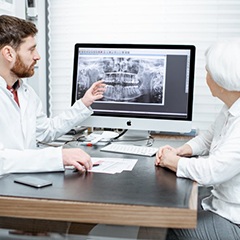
point(21, 70)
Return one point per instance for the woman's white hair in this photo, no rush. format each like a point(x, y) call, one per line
point(223, 63)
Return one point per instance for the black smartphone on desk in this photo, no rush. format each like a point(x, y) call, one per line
point(33, 181)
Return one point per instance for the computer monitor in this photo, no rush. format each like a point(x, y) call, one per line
point(149, 87)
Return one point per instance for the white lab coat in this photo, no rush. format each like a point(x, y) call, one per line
point(22, 127)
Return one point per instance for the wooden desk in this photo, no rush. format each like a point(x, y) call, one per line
point(147, 196)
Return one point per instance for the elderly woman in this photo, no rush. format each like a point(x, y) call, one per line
point(218, 151)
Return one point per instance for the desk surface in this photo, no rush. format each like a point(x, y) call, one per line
point(147, 196)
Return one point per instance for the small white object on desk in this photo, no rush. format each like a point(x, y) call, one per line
point(105, 136)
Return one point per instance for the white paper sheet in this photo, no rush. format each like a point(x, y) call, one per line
point(113, 165)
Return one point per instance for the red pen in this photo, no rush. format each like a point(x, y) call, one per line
point(88, 144)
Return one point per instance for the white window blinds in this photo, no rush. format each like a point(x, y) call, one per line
point(138, 21)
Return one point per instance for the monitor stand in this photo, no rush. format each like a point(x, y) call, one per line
point(135, 137)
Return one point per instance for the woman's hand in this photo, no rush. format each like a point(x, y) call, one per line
point(167, 157)
point(159, 154)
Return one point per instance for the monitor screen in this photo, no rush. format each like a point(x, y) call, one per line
point(148, 87)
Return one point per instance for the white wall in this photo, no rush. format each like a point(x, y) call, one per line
point(39, 80)
point(139, 21)
point(8, 7)
point(18, 9)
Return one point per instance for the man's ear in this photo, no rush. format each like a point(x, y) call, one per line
point(8, 53)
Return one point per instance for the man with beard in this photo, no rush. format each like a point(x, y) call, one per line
point(22, 120)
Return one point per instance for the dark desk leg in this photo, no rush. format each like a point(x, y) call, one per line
point(44, 228)
point(80, 228)
point(123, 232)
point(152, 233)
point(36, 226)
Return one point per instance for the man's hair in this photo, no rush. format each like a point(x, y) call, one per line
point(13, 30)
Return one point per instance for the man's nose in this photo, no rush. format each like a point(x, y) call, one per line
point(37, 56)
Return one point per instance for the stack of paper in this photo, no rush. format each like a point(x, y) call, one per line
point(113, 165)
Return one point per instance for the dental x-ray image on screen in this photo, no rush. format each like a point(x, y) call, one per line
point(128, 79)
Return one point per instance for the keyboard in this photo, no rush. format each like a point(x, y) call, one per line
point(130, 149)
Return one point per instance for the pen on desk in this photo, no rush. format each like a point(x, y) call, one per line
point(96, 164)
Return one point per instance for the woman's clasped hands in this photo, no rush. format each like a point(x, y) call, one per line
point(167, 156)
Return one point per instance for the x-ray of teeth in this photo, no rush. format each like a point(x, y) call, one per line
point(128, 79)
